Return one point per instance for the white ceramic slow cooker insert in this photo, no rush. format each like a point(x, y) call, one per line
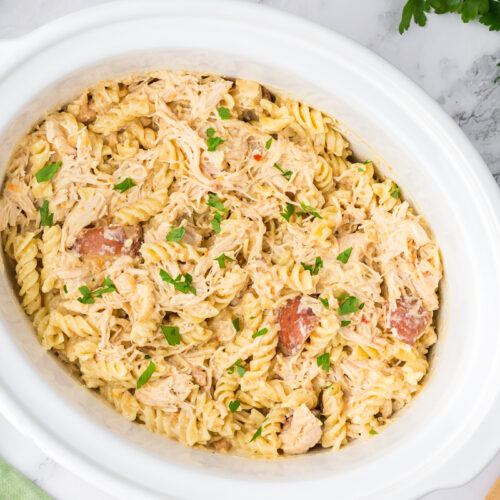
point(413, 142)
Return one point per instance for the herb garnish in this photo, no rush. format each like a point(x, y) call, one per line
point(345, 322)
point(258, 432)
point(236, 324)
point(176, 234)
point(87, 297)
point(146, 375)
point(127, 183)
point(65, 288)
point(324, 361)
point(221, 259)
point(269, 142)
point(171, 334)
point(318, 264)
point(213, 142)
point(348, 304)
point(224, 113)
point(372, 431)
point(259, 333)
point(45, 218)
point(239, 368)
point(344, 256)
point(394, 191)
point(181, 286)
point(46, 173)
point(325, 302)
point(234, 405)
point(307, 210)
point(288, 212)
point(287, 175)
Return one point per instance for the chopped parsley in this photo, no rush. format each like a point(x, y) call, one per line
point(361, 169)
point(234, 405)
point(322, 419)
point(147, 356)
point(146, 375)
point(236, 324)
point(287, 175)
point(126, 184)
point(269, 142)
point(176, 234)
point(318, 264)
point(107, 287)
point(345, 322)
point(171, 334)
point(344, 256)
point(240, 370)
point(288, 212)
point(324, 361)
point(216, 220)
point(210, 132)
point(327, 386)
point(221, 259)
point(86, 297)
point(348, 304)
point(65, 288)
point(224, 113)
point(46, 173)
point(307, 210)
point(394, 191)
point(258, 432)
point(367, 162)
point(259, 333)
point(213, 142)
point(325, 303)
point(181, 286)
point(372, 431)
point(45, 218)
point(215, 202)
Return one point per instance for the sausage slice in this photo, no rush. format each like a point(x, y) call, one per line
point(109, 241)
point(296, 323)
point(409, 320)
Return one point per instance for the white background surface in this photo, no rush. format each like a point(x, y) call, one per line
point(455, 63)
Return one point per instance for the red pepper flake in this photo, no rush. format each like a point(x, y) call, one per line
point(364, 320)
point(257, 157)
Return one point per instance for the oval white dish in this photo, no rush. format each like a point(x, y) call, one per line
point(437, 168)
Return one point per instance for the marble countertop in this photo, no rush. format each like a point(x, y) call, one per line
point(454, 63)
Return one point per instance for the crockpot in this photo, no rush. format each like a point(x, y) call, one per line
point(450, 430)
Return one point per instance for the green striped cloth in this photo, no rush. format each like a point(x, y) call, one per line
point(14, 486)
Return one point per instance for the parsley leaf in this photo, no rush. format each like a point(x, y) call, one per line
point(176, 234)
point(146, 375)
point(221, 259)
point(307, 210)
point(181, 286)
point(230, 370)
point(394, 191)
point(126, 184)
point(328, 386)
point(322, 419)
point(492, 17)
point(325, 303)
point(46, 219)
point(269, 142)
point(324, 361)
point(345, 322)
point(236, 324)
point(216, 220)
point(415, 9)
point(259, 333)
point(65, 288)
point(239, 368)
point(258, 432)
point(318, 264)
point(372, 431)
point(288, 212)
point(234, 405)
point(86, 297)
point(224, 113)
point(46, 173)
point(171, 334)
point(344, 256)
point(287, 175)
point(215, 202)
point(361, 169)
point(213, 142)
point(107, 287)
point(210, 132)
point(348, 305)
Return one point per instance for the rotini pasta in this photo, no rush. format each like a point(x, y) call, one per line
point(209, 257)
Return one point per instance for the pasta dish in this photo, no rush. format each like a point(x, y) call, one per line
point(209, 257)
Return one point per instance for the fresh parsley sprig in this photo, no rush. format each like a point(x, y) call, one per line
point(171, 334)
point(125, 185)
point(288, 212)
point(176, 234)
point(146, 375)
point(181, 286)
point(213, 141)
point(314, 270)
point(46, 173)
point(87, 297)
point(221, 259)
point(46, 219)
point(287, 175)
point(487, 12)
point(307, 210)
